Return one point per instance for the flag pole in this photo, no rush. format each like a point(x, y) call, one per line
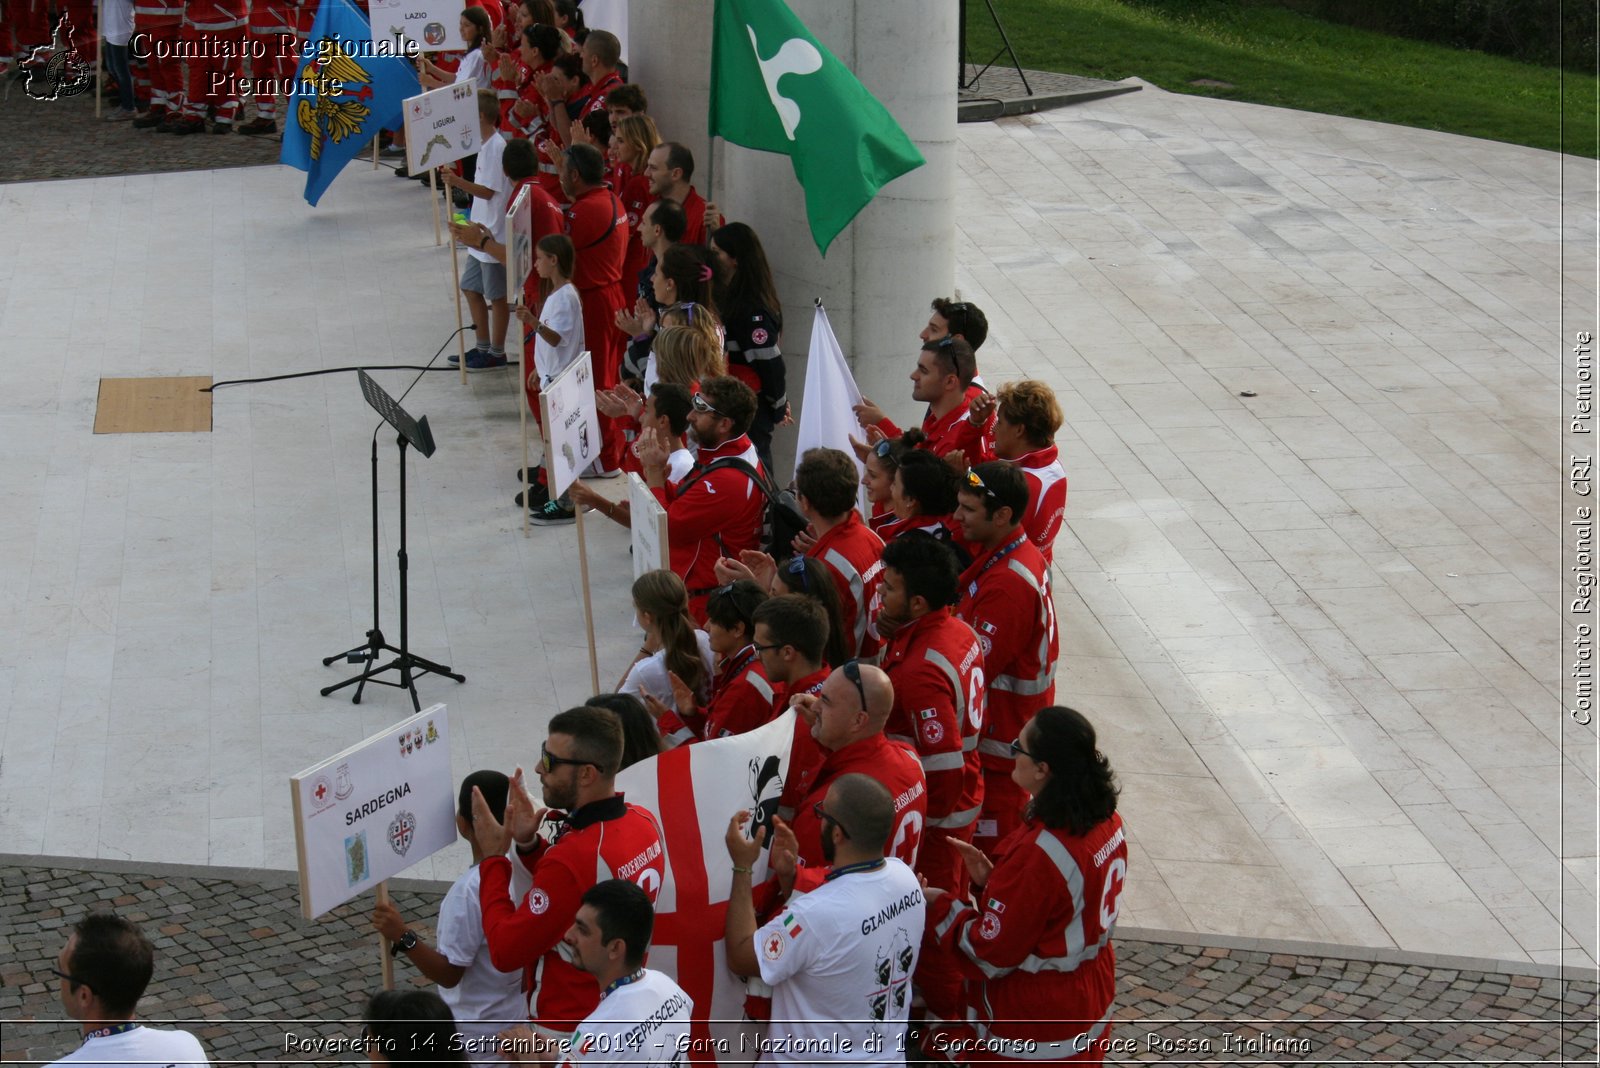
point(588, 608)
point(455, 276)
point(100, 60)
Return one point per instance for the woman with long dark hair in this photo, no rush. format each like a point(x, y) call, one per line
point(1034, 944)
point(748, 302)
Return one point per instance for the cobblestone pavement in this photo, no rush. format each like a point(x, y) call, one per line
point(238, 966)
point(63, 139)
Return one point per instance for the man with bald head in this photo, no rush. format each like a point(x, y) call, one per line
point(847, 719)
point(839, 959)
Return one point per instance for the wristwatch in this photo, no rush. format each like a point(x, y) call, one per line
point(406, 944)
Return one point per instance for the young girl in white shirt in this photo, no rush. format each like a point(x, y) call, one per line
point(672, 646)
point(558, 342)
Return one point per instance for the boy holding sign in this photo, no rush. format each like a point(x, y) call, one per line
point(484, 280)
point(484, 999)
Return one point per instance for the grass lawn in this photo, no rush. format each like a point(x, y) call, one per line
point(1272, 56)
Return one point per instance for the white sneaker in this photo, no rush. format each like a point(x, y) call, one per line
point(597, 472)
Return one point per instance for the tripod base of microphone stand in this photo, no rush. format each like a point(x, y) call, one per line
point(408, 664)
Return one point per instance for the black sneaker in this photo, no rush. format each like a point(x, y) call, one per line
point(553, 514)
point(541, 497)
point(531, 474)
point(483, 360)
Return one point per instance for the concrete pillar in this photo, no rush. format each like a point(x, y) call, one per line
point(899, 253)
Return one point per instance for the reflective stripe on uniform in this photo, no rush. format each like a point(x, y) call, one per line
point(956, 820)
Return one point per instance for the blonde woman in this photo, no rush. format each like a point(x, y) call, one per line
point(684, 356)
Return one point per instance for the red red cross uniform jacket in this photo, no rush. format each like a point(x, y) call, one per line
point(713, 516)
point(1005, 598)
point(1047, 484)
point(741, 701)
point(1036, 947)
point(893, 764)
point(854, 555)
point(946, 432)
point(603, 840)
point(936, 666)
point(599, 91)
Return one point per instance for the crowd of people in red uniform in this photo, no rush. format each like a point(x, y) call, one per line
point(943, 584)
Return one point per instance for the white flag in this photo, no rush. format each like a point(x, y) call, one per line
point(694, 790)
point(826, 418)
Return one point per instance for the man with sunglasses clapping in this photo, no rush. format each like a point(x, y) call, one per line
point(601, 837)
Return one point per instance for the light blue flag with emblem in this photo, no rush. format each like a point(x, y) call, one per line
point(343, 95)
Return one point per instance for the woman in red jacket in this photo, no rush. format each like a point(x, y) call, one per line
point(1034, 944)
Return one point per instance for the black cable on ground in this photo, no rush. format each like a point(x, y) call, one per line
point(346, 370)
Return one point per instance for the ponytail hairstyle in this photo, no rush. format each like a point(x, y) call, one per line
point(692, 273)
point(810, 577)
point(560, 247)
point(663, 595)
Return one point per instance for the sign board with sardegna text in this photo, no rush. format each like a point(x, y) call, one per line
point(441, 127)
point(369, 813)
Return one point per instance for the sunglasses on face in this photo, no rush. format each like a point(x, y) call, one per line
point(549, 762)
point(1017, 750)
point(817, 811)
point(703, 405)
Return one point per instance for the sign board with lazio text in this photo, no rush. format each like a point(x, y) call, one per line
point(434, 25)
point(441, 126)
point(374, 810)
point(572, 423)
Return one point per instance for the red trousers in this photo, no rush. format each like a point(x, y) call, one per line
point(605, 342)
point(156, 41)
point(213, 80)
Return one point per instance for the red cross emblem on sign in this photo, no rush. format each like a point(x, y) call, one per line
point(321, 791)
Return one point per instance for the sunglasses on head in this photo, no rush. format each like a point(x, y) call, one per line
point(976, 483)
point(797, 567)
point(852, 671)
point(883, 448)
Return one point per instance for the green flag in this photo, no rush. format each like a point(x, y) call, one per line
point(774, 88)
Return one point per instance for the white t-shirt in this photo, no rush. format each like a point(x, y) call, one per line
point(563, 313)
point(117, 22)
point(844, 952)
point(643, 1022)
point(475, 70)
point(492, 212)
point(649, 676)
point(149, 1045)
point(487, 1000)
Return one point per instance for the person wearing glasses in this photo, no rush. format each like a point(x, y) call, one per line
point(1005, 598)
point(941, 379)
point(846, 720)
point(839, 959)
point(710, 514)
point(936, 665)
point(1034, 942)
point(104, 969)
point(1026, 417)
point(600, 837)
